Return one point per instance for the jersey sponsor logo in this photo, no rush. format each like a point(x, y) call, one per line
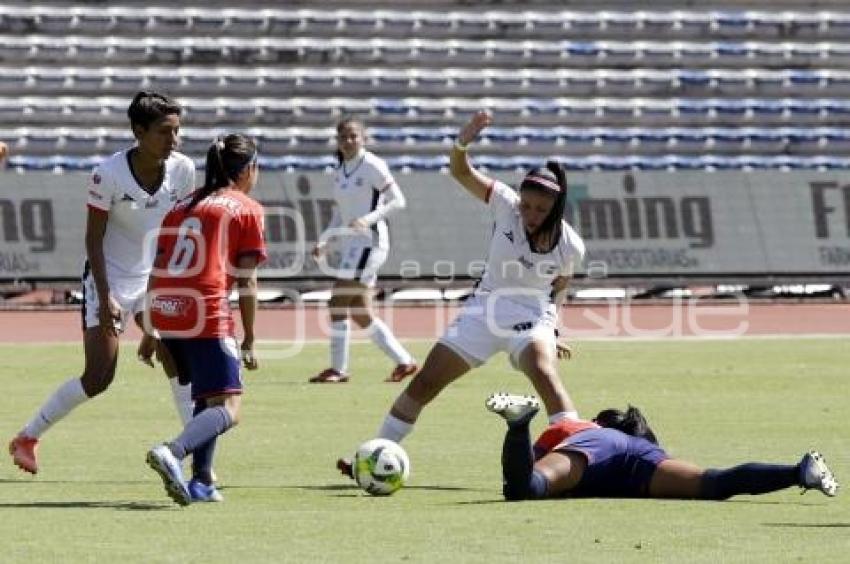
point(127, 198)
point(95, 195)
point(524, 326)
point(151, 204)
point(525, 262)
point(509, 235)
point(358, 181)
point(170, 306)
point(95, 178)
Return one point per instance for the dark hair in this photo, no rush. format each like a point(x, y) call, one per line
point(149, 107)
point(550, 180)
point(631, 422)
point(226, 158)
point(347, 120)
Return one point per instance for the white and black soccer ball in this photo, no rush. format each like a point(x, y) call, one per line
point(381, 467)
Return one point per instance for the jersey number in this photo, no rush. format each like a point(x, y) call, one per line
point(185, 246)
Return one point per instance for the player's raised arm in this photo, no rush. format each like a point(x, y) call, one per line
point(476, 183)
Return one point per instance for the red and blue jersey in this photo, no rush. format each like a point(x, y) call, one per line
point(198, 252)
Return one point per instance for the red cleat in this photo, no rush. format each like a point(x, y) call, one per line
point(345, 467)
point(22, 449)
point(329, 376)
point(402, 371)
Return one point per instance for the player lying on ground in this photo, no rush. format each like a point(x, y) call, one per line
point(617, 455)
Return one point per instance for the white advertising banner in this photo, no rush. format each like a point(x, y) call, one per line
point(635, 224)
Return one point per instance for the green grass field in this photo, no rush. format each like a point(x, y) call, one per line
point(716, 403)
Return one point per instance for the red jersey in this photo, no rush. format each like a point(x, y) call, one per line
point(556, 433)
point(196, 263)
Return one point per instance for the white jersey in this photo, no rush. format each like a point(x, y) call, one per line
point(359, 185)
point(513, 270)
point(129, 243)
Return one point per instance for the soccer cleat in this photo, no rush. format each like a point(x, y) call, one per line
point(513, 408)
point(329, 376)
point(402, 371)
point(345, 467)
point(167, 466)
point(816, 475)
point(203, 492)
point(22, 449)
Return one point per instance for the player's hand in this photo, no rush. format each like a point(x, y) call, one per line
point(478, 121)
point(147, 349)
point(359, 224)
point(565, 351)
point(319, 250)
point(249, 359)
point(109, 317)
point(4, 152)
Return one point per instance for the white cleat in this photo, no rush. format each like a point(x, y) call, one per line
point(816, 475)
point(168, 467)
point(513, 408)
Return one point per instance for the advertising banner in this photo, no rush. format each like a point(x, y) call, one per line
point(682, 224)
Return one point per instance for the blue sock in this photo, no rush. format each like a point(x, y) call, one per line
point(753, 478)
point(202, 456)
point(207, 425)
point(520, 479)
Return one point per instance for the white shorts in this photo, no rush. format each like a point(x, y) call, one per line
point(360, 262)
point(130, 295)
point(487, 326)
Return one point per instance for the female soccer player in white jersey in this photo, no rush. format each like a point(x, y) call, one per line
point(366, 193)
point(128, 195)
point(515, 306)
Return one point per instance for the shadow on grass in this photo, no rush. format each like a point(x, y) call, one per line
point(345, 487)
point(768, 502)
point(116, 505)
point(809, 525)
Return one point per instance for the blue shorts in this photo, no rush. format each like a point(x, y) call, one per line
point(212, 365)
point(618, 465)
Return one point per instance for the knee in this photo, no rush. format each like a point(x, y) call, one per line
point(95, 382)
point(362, 320)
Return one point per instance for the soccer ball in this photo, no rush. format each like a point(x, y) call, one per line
point(381, 466)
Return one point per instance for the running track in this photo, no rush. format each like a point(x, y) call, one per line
point(645, 321)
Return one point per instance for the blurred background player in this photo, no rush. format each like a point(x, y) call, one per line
point(515, 306)
point(128, 195)
point(4, 152)
point(617, 455)
point(366, 193)
point(211, 240)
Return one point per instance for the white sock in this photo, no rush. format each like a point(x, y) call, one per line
point(66, 397)
point(340, 336)
point(394, 429)
point(386, 341)
point(561, 415)
point(182, 400)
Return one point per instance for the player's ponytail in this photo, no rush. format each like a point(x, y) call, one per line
point(551, 180)
point(226, 158)
point(631, 422)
